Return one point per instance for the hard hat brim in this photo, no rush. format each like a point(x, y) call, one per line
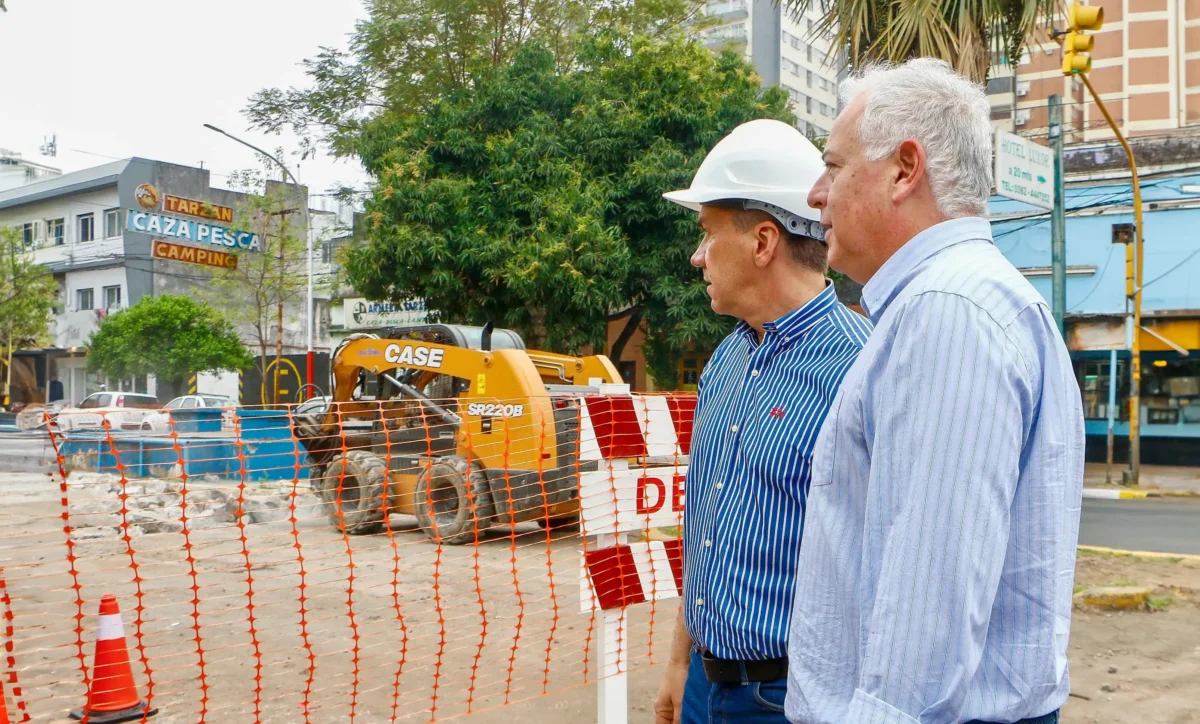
point(687, 198)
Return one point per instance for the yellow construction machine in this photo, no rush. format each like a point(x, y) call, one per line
point(461, 427)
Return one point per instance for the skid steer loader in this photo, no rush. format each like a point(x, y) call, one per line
point(461, 427)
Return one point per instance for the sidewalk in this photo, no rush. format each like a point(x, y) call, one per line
point(1157, 481)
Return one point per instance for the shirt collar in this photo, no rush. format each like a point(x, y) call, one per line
point(798, 321)
point(896, 272)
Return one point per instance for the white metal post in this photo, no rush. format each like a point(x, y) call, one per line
point(612, 692)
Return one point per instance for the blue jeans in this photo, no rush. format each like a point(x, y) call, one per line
point(753, 703)
point(1051, 718)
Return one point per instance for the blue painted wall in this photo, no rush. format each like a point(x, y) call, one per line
point(1172, 253)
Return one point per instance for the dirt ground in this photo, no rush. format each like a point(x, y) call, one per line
point(459, 628)
point(396, 627)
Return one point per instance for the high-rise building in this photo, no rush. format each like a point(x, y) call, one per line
point(1145, 65)
point(787, 51)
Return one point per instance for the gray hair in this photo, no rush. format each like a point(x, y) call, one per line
point(925, 100)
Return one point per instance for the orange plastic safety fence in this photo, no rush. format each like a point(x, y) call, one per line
point(372, 561)
point(10, 680)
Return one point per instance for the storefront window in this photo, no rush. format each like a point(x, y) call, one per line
point(1093, 382)
point(1171, 391)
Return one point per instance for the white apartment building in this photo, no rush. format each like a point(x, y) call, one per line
point(116, 233)
point(17, 171)
point(786, 51)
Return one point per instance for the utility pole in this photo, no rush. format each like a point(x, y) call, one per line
point(1058, 226)
point(310, 312)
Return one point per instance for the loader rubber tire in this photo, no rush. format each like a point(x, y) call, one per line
point(323, 487)
point(444, 505)
point(357, 499)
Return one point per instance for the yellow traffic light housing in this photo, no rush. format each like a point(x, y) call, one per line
point(1073, 46)
point(1080, 18)
point(1086, 17)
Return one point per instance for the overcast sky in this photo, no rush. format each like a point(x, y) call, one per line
point(121, 78)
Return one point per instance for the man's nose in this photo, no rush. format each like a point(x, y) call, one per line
point(818, 197)
point(698, 256)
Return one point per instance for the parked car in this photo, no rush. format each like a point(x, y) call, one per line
point(33, 416)
point(116, 410)
point(161, 421)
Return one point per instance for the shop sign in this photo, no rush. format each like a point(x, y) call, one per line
point(147, 223)
point(359, 313)
point(147, 196)
point(193, 255)
point(200, 209)
point(1024, 170)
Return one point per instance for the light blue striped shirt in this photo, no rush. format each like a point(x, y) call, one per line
point(934, 583)
point(759, 410)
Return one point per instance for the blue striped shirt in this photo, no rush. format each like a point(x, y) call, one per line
point(935, 580)
point(759, 409)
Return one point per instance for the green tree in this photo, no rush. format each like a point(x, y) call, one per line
point(963, 34)
point(27, 295)
point(407, 54)
point(533, 198)
point(262, 294)
point(171, 337)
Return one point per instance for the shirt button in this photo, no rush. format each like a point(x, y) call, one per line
point(699, 601)
point(754, 373)
point(708, 544)
point(720, 485)
point(734, 428)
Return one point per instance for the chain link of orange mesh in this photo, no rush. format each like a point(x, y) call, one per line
point(241, 526)
point(303, 586)
point(71, 564)
point(191, 561)
point(521, 601)
point(10, 659)
point(139, 609)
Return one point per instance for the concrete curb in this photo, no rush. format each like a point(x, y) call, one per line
point(1113, 494)
point(1139, 554)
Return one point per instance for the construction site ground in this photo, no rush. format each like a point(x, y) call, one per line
point(1126, 666)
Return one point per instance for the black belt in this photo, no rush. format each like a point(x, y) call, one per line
point(730, 671)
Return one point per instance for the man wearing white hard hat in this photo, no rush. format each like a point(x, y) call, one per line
point(762, 398)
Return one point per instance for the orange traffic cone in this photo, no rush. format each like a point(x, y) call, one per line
point(113, 696)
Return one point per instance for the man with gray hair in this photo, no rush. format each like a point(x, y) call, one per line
point(935, 577)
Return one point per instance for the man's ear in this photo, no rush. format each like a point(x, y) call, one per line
point(766, 243)
point(908, 169)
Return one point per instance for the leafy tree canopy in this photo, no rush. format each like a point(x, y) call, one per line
point(408, 54)
point(533, 197)
point(169, 336)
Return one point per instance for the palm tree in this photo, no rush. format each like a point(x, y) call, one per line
point(962, 32)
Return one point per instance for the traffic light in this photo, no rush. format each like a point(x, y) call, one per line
point(1080, 18)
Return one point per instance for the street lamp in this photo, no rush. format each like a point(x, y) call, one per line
point(309, 357)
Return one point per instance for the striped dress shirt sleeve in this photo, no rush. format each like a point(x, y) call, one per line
point(946, 448)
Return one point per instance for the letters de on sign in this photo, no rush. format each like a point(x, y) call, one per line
point(623, 501)
point(416, 355)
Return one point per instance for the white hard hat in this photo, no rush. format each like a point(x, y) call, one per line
point(767, 165)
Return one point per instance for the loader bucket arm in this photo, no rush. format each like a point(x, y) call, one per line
point(564, 369)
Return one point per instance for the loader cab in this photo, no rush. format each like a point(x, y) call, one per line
point(457, 335)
